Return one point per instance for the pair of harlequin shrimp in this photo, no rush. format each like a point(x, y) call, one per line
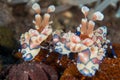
point(90, 44)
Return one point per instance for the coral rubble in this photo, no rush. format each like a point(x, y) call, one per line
point(32, 71)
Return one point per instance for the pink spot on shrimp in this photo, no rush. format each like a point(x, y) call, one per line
point(84, 56)
point(95, 61)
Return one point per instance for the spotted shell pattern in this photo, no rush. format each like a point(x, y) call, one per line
point(30, 42)
point(89, 59)
point(90, 52)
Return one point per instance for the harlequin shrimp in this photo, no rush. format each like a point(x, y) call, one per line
point(31, 40)
point(90, 44)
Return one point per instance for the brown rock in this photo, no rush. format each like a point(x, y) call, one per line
point(32, 71)
point(71, 73)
